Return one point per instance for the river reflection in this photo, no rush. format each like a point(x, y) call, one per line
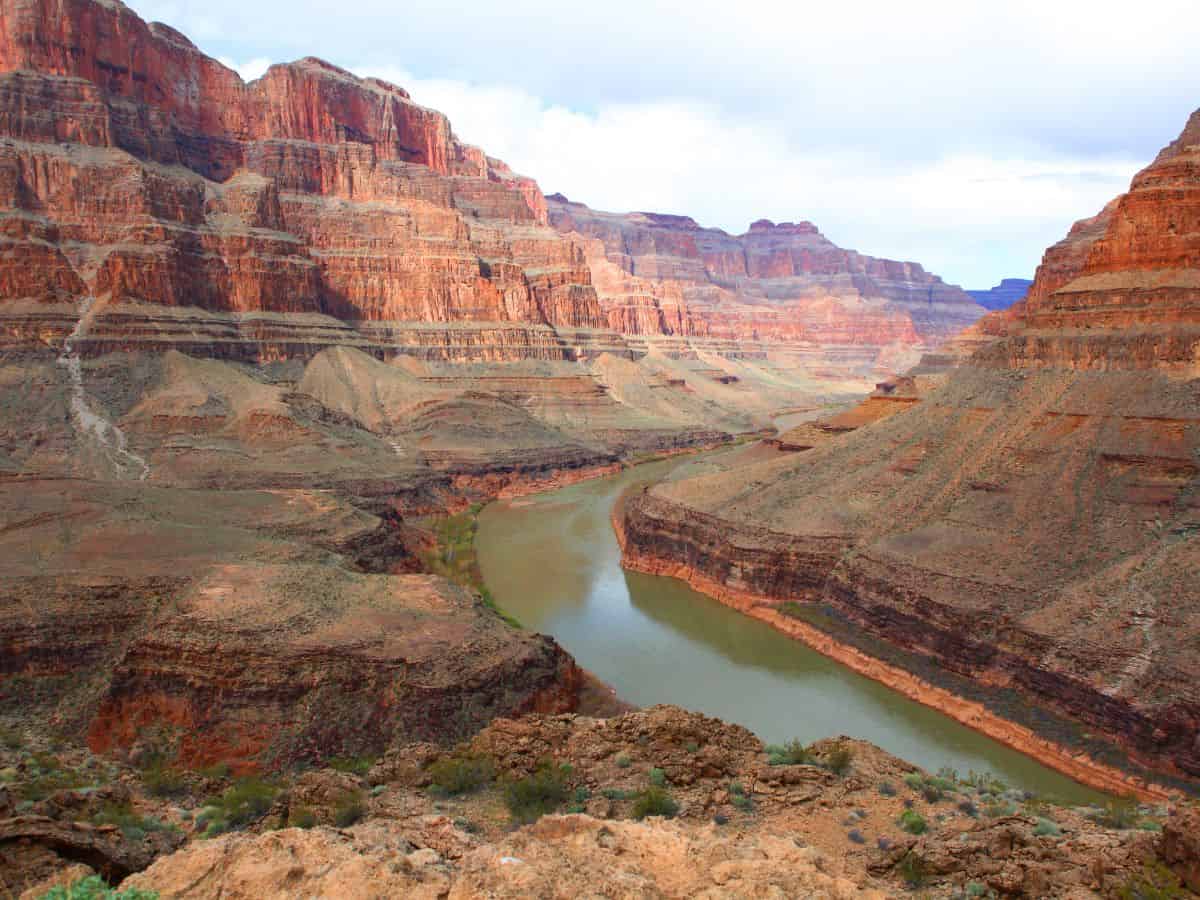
point(553, 562)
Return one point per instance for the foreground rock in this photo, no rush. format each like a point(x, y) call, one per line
point(1032, 523)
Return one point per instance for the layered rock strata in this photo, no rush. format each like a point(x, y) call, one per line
point(1003, 295)
point(776, 285)
point(1032, 522)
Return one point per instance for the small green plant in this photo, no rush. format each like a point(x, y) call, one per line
point(986, 782)
point(912, 821)
point(691, 747)
point(350, 810)
point(1047, 828)
point(301, 817)
point(736, 788)
point(1154, 882)
point(931, 792)
point(455, 775)
point(351, 765)
point(967, 807)
point(654, 801)
point(995, 809)
point(914, 781)
point(162, 781)
point(913, 870)
point(94, 888)
point(838, 758)
point(245, 802)
point(623, 761)
point(133, 826)
point(616, 794)
point(658, 778)
point(793, 753)
point(1119, 813)
point(975, 889)
point(528, 799)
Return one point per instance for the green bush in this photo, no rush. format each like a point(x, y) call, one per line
point(94, 888)
point(654, 801)
point(914, 781)
point(986, 782)
point(161, 781)
point(352, 765)
point(1119, 813)
point(1047, 828)
point(623, 761)
point(349, 811)
point(839, 758)
point(912, 821)
point(658, 777)
point(133, 826)
point(247, 801)
point(301, 817)
point(456, 775)
point(528, 799)
point(913, 870)
point(793, 753)
point(616, 794)
point(1154, 882)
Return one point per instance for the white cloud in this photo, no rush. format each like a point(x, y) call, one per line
point(970, 216)
point(251, 70)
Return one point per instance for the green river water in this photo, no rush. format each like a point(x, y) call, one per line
point(553, 562)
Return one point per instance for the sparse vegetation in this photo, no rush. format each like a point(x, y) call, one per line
point(245, 802)
point(623, 761)
point(455, 559)
point(913, 822)
point(351, 765)
point(350, 810)
point(654, 801)
point(133, 826)
point(163, 781)
point(1119, 813)
point(887, 789)
point(838, 758)
point(658, 778)
point(793, 753)
point(464, 774)
point(1047, 828)
point(95, 888)
point(1154, 882)
point(528, 799)
point(301, 817)
point(913, 870)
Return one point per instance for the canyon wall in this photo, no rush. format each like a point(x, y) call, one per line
point(1031, 517)
point(1003, 295)
point(783, 284)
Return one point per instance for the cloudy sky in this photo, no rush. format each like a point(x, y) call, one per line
point(967, 135)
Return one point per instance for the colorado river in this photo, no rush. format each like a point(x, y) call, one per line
point(553, 562)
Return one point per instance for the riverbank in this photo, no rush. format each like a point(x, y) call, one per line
point(1078, 766)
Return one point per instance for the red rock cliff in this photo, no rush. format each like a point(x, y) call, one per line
point(784, 282)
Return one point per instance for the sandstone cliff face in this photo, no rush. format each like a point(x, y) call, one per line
point(1032, 521)
point(137, 169)
point(776, 283)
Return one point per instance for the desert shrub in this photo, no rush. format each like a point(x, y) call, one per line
point(616, 794)
point(301, 817)
point(467, 825)
point(1121, 812)
point(887, 789)
point(1047, 828)
point(931, 792)
point(691, 747)
point(133, 826)
point(793, 753)
point(975, 889)
point(454, 775)
point(986, 782)
point(349, 811)
point(528, 799)
point(247, 801)
point(914, 781)
point(994, 809)
point(720, 819)
point(856, 836)
point(839, 758)
point(912, 821)
point(11, 739)
point(913, 870)
point(623, 761)
point(968, 808)
point(658, 777)
point(162, 781)
point(352, 765)
point(743, 802)
point(94, 888)
point(654, 801)
point(736, 788)
point(1154, 882)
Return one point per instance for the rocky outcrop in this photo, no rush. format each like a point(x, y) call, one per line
point(1003, 295)
point(1030, 523)
point(776, 284)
